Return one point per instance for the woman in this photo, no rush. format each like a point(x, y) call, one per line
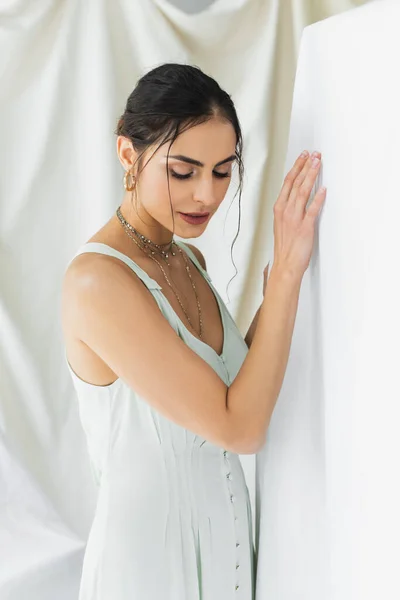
point(169, 391)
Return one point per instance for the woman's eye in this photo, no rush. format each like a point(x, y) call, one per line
point(180, 176)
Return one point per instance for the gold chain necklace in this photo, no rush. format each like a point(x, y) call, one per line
point(143, 243)
point(154, 248)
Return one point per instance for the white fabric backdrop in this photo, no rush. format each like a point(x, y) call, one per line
point(328, 478)
point(66, 70)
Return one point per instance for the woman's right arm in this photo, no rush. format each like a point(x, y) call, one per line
point(253, 394)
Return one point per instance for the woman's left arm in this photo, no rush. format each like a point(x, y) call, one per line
point(251, 331)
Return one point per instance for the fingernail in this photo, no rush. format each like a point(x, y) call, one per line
point(315, 162)
point(304, 153)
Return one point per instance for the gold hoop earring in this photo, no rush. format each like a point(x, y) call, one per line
point(130, 187)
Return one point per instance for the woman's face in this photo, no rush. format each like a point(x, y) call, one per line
point(200, 166)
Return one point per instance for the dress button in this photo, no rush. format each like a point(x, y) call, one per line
point(237, 587)
point(237, 566)
point(225, 452)
point(229, 476)
point(233, 499)
point(237, 544)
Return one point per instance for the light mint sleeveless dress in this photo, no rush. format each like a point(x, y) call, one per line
point(173, 513)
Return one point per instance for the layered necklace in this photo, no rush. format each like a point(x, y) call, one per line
point(162, 251)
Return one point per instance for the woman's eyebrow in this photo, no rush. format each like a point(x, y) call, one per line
point(192, 161)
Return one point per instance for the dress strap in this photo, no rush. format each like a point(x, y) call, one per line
point(101, 248)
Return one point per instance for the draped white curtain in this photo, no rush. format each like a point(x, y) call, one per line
point(67, 67)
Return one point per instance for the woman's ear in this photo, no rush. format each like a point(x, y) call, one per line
point(126, 153)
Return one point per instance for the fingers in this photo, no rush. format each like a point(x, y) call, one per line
point(289, 181)
point(314, 209)
point(301, 194)
point(301, 179)
point(298, 185)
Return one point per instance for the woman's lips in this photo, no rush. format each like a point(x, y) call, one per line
point(194, 220)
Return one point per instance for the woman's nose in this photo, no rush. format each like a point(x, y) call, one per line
point(205, 191)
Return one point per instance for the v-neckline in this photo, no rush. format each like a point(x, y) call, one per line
point(220, 308)
point(155, 283)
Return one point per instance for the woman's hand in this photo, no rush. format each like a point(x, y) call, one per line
point(294, 224)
